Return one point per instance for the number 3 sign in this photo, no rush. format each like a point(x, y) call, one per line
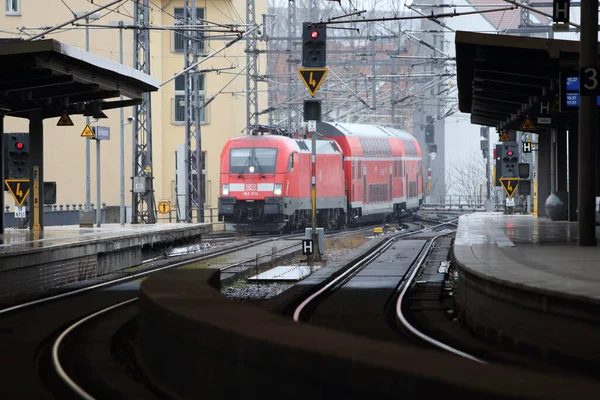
point(589, 81)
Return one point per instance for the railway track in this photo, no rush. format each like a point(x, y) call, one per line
point(375, 282)
point(97, 304)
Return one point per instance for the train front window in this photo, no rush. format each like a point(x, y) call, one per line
point(254, 160)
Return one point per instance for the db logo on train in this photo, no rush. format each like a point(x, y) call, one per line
point(251, 187)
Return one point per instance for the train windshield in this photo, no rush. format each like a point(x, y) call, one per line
point(252, 160)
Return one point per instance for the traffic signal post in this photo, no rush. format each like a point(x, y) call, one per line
point(314, 60)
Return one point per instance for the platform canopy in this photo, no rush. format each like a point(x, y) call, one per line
point(52, 77)
point(502, 79)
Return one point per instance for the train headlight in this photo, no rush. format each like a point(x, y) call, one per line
point(277, 189)
point(225, 189)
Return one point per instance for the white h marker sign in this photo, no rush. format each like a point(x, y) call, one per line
point(307, 247)
point(526, 147)
point(545, 107)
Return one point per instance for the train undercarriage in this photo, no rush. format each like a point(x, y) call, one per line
point(279, 214)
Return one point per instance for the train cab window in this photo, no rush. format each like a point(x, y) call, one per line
point(255, 160)
point(292, 162)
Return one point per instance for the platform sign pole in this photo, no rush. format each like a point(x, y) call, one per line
point(589, 88)
point(315, 239)
point(36, 199)
point(98, 197)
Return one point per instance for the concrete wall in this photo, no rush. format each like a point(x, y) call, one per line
point(194, 343)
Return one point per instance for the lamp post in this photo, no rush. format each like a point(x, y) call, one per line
point(91, 17)
point(122, 124)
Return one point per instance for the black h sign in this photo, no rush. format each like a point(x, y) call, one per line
point(307, 247)
point(526, 147)
point(560, 11)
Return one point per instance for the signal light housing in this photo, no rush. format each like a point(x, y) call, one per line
point(314, 45)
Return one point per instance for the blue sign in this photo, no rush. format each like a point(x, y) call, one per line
point(102, 132)
point(572, 92)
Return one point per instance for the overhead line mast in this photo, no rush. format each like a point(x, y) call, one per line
point(142, 202)
point(252, 72)
point(194, 194)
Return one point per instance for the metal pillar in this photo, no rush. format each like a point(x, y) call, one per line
point(374, 83)
point(98, 186)
point(586, 221)
point(544, 178)
point(572, 158)
point(561, 159)
point(122, 141)
point(142, 202)
point(393, 94)
point(194, 199)
point(252, 71)
point(36, 173)
point(292, 78)
point(87, 139)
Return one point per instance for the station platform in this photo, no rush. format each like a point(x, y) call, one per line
point(523, 281)
point(35, 261)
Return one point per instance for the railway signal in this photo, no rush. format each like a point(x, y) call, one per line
point(16, 156)
point(314, 45)
point(429, 130)
point(510, 160)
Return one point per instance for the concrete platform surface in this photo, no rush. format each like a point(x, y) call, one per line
point(527, 252)
point(17, 240)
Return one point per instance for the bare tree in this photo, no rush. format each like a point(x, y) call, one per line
point(467, 176)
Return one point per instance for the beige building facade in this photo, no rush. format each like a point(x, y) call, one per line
point(225, 117)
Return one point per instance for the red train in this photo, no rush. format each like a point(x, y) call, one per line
point(364, 173)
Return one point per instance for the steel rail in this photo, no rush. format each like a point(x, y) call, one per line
point(368, 258)
point(409, 326)
point(57, 343)
point(131, 277)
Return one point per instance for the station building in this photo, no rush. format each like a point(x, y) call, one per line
point(225, 117)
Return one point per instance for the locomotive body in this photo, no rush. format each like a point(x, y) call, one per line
point(363, 173)
point(265, 183)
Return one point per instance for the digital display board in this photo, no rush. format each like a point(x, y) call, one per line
point(571, 95)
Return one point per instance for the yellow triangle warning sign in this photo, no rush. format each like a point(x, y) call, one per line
point(312, 78)
point(64, 120)
point(509, 185)
point(88, 132)
point(527, 125)
point(504, 136)
point(19, 188)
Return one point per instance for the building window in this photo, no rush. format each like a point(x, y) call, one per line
point(179, 100)
point(179, 37)
point(13, 7)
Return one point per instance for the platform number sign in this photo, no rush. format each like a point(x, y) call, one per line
point(588, 76)
point(307, 247)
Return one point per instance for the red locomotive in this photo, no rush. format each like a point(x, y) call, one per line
point(363, 173)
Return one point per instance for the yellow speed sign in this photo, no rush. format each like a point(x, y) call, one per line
point(164, 207)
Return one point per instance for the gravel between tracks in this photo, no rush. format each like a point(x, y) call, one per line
point(254, 292)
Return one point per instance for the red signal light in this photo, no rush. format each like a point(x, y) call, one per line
point(509, 153)
point(314, 34)
point(19, 145)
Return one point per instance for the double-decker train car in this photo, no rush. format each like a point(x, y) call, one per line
point(266, 183)
point(383, 170)
point(363, 173)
